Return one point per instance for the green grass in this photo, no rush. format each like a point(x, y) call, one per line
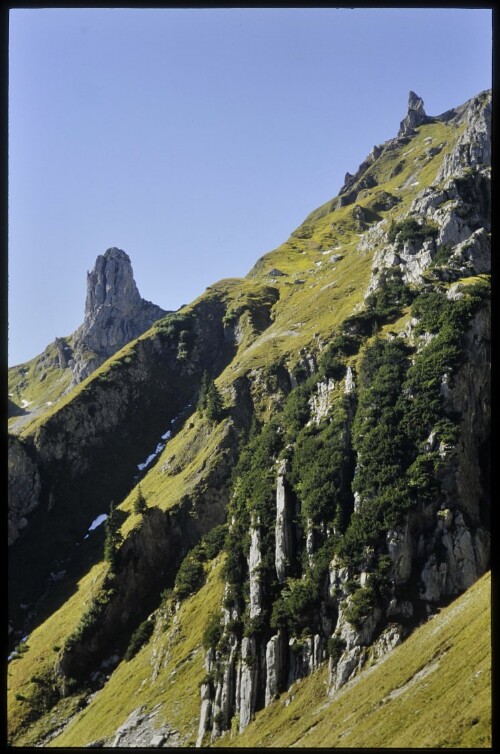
point(187, 459)
point(41, 657)
point(434, 690)
point(168, 670)
point(40, 382)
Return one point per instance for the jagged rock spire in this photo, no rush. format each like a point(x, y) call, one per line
point(115, 313)
point(414, 117)
point(111, 283)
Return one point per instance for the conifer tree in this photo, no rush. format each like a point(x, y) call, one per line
point(214, 406)
point(202, 396)
point(113, 537)
point(139, 502)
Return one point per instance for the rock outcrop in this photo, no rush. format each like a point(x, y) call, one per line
point(284, 525)
point(415, 116)
point(24, 487)
point(457, 203)
point(254, 561)
point(115, 313)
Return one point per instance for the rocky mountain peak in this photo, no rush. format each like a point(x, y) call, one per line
point(111, 284)
point(415, 102)
point(414, 117)
point(115, 313)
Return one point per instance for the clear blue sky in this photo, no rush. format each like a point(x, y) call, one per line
point(198, 140)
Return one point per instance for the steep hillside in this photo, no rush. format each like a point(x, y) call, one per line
point(325, 421)
point(434, 690)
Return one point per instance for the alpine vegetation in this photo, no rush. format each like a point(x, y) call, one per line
point(264, 518)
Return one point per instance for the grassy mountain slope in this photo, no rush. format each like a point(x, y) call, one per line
point(164, 675)
point(261, 329)
point(434, 690)
point(37, 384)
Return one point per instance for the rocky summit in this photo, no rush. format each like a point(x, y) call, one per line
point(266, 520)
point(114, 315)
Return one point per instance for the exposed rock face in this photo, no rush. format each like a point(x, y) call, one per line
point(458, 202)
point(115, 313)
point(473, 147)
point(24, 487)
point(254, 561)
point(284, 530)
point(139, 730)
point(248, 684)
point(415, 116)
point(349, 382)
point(320, 403)
point(275, 664)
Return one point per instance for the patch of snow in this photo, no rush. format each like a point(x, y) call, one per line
point(25, 403)
point(415, 183)
point(318, 264)
point(12, 656)
point(98, 521)
point(149, 459)
point(11, 395)
point(49, 403)
point(161, 445)
point(25, 638)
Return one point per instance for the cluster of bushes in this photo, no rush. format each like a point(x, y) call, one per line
point(390, 297)
point(382, 306)
point(319, 470)
point(380, 444)
point(210, 400)
point(376, 591)
point(113, 538)
point(294, 609)
point(191, 574)
point(213, 631)
point(174, 323)
point(442, 255)
point(140, 636)
point(410, 229)
point(334, 648)
point(93, 615)
point(398, 403)
point(254, 494)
